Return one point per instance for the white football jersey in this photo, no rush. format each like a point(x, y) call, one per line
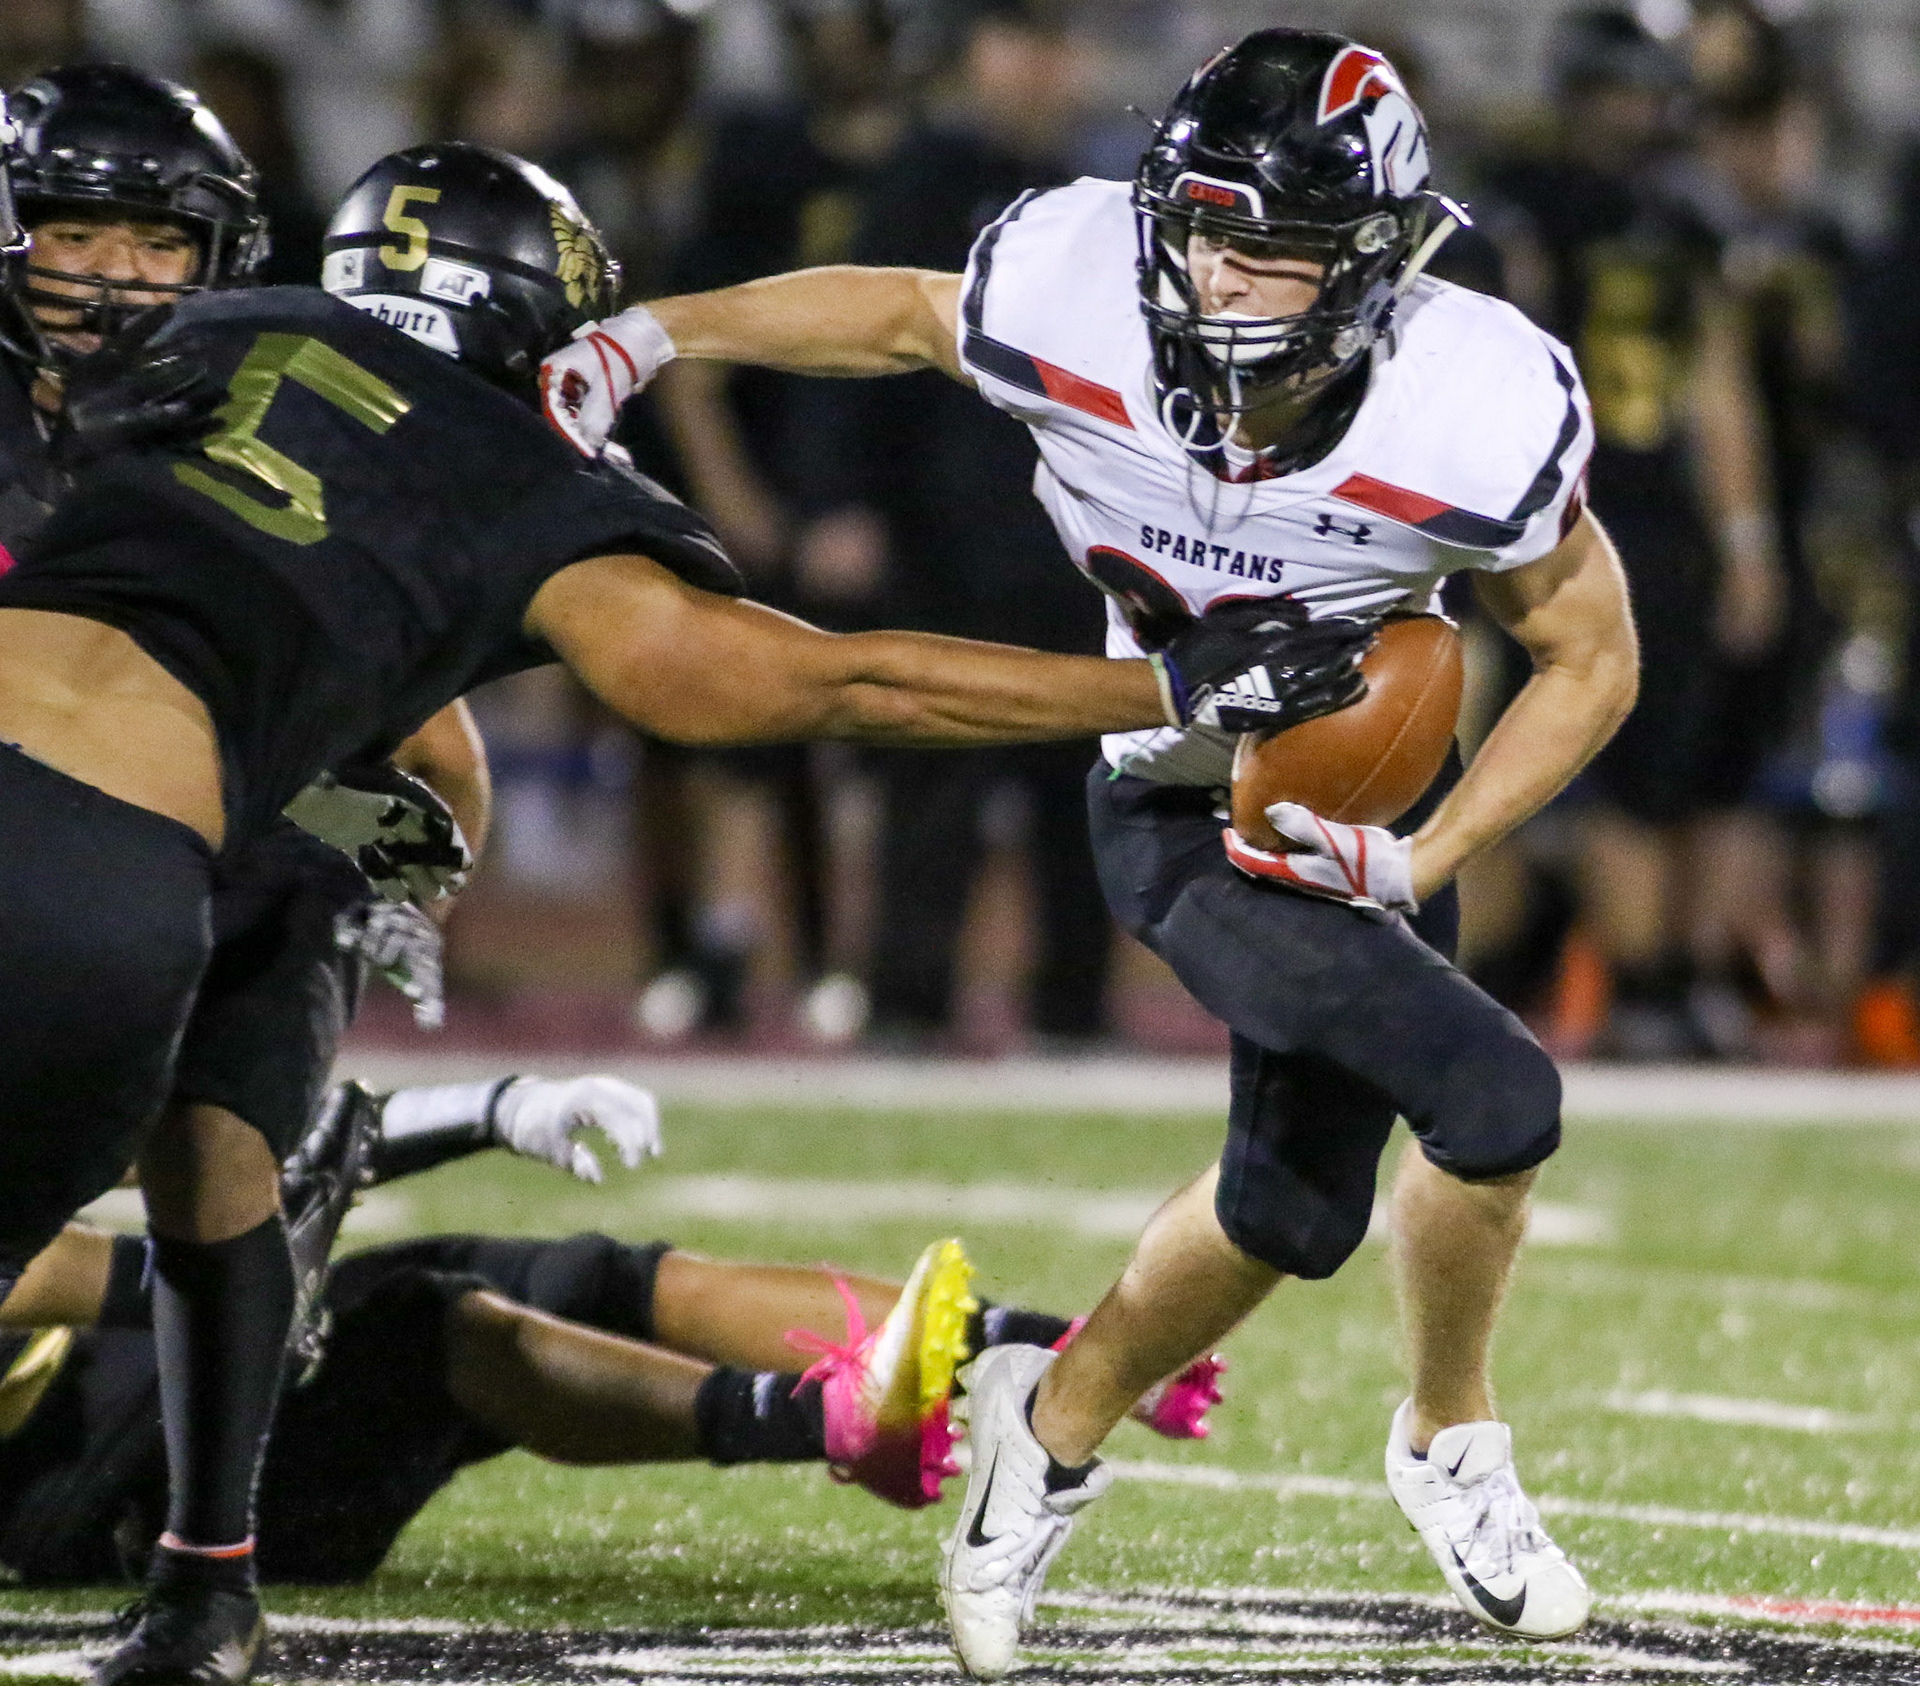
point(1468, 450)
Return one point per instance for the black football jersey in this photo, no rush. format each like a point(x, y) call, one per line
point(29, 482)
point(353, 546)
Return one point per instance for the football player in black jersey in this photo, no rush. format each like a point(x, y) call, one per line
point(372, 520)
point(130, 196)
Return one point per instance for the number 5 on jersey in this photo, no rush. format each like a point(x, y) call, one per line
point(236, 442)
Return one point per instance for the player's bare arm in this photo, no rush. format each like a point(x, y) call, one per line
point(837, 320)
point(703, 669)
point(1569, 611)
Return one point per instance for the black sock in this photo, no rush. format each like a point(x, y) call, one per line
point(1008, 1325)
point(221, 1311)
point(128, 1301)
point(1059, 1476)
point(759, 1417)
point(171, 1571)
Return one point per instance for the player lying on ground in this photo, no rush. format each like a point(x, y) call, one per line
point(377, 522)
point(431, 1355)
point(1242, 387)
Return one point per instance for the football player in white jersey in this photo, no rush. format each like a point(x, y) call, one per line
point(1242, 386)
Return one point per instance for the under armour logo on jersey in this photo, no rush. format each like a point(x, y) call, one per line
point(1326, 527)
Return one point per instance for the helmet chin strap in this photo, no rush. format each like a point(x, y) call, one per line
point(1424, 254)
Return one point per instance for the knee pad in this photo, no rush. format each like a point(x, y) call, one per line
point(1499, 1111)
point(1299, 1230)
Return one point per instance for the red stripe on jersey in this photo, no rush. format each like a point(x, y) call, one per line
point(1393, 501)
point(1065, 387)
point(6, 560)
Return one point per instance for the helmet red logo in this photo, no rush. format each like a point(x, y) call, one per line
point(1356, 74)
point(1205, 190)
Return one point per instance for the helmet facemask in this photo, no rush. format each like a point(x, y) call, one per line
point(57, 302)
point(1219, 367)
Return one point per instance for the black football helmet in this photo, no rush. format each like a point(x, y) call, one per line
point(1297, 144)
point(474, 252)
point(101, 139)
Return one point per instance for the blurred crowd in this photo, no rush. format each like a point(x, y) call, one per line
point(1686, 195)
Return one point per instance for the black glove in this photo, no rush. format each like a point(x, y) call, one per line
point(1263, 665)
point(393, 827)
point(126, 395)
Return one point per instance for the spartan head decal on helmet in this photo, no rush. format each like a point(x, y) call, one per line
point(1292, 144)
point(106, 143)
point(472, 251)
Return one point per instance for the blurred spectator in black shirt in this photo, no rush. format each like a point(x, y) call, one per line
point(782, 186)
point(969, 551)
point(1628, 277)
point(1885, 383)
point(1785, 263)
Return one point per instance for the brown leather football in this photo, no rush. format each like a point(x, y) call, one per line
point(1368, 763)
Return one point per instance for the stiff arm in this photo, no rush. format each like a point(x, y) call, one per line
point(839, 320)
point(698, 668)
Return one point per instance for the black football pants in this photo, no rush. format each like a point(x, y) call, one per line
point(1342, 1018)
point(103, 940)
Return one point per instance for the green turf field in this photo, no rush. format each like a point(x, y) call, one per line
point(1720, 1322)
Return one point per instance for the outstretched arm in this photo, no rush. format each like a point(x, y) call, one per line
point(702, 669)
point(841, 320)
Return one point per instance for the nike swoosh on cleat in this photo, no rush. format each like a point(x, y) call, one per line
point(974, 1536)
point(1505, 1611)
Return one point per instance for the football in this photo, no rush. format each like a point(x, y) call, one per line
point(1368, 763)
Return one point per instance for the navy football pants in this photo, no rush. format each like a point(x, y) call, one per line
point(1342, 1018)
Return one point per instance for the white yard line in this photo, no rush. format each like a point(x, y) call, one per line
point(1653, 1516)
point(1741, 1413)
point(378, 1212)
point(816, 1203)
point(1198, 1086)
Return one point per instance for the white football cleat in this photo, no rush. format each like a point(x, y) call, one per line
point(1464, 1501)
point(1010, 1528)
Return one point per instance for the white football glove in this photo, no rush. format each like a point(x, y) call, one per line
point(583, 385)
point(540, 1117)
point(404, 946)
point(1365, 865)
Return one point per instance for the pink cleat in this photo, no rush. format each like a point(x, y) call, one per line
point(1176, 1408)
point(884, 1394)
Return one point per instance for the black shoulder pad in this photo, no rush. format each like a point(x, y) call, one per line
point(674, 536)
